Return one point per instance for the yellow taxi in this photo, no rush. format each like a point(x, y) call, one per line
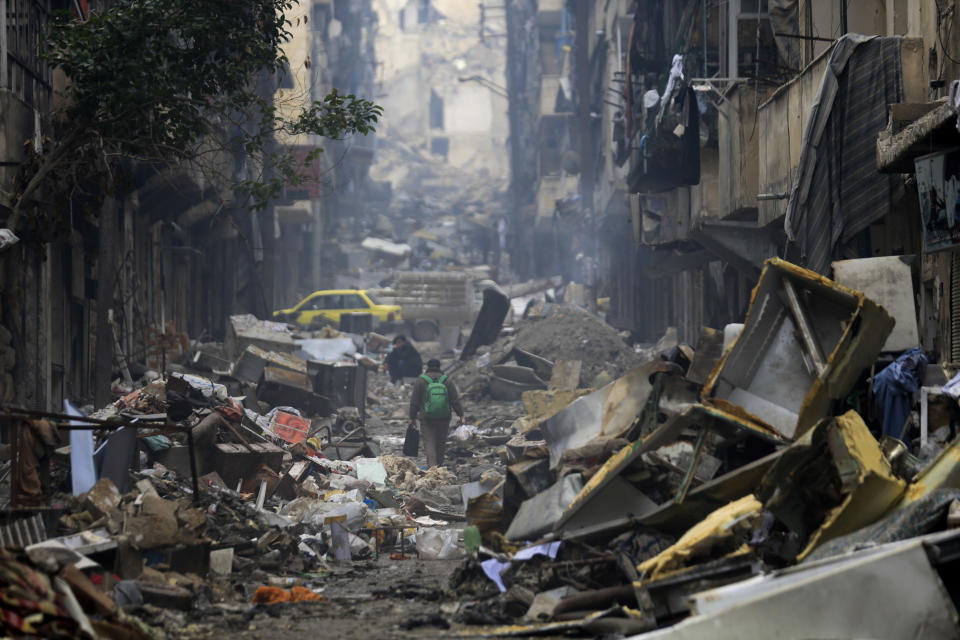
point(333, 303)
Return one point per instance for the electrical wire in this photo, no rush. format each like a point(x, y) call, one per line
point(943, 48)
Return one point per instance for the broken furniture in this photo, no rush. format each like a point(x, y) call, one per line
point(614, 499)
point(284, 388)
point(805, 341)
point(343, 383)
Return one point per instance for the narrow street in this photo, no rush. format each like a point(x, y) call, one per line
point(634, 319)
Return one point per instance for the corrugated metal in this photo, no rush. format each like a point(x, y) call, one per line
point(22, 533)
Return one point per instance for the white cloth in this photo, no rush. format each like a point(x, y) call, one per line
point(676, 73)
point(952, 388)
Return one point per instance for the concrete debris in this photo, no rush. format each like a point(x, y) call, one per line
point(648, 505)
point(567, 332)
point(689, 490)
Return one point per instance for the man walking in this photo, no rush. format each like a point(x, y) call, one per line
point(433, 402)
point(403, 361)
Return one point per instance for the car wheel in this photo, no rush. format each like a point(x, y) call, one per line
point(425, 331)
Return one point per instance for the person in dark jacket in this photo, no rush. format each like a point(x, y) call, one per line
point(404, 360)
point(433, 432)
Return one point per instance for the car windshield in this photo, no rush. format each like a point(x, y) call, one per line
point(373, 298)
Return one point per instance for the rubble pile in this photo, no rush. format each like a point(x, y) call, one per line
point(241, 480)
point(722, 488)
point(560, 332)
point(729, 506)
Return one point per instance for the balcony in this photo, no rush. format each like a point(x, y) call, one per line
point(782, 120)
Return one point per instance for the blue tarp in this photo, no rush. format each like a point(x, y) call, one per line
point(894, 388)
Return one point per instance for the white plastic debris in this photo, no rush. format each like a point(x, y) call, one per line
point(7, 239)
point(464, 432)
point(437, 544)
point(371, 470)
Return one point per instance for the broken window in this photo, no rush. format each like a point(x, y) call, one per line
point(440, 147)
point(436, 111)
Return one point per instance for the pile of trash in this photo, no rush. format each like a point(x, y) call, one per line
point(741, 489)
point(205, 490)
point(738, 489)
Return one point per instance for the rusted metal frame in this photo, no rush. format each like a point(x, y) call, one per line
point(804, 327)
point(691, 470)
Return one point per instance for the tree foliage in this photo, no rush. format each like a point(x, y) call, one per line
point(176, 82)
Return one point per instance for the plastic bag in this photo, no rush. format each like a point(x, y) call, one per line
point(437, 544)
point(464, 432)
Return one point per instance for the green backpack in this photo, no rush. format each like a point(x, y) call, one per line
point(436, 406)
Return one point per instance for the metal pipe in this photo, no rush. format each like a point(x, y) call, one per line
point(93, 422)
point(802, 322)
point(777, 34)
point(692, 469)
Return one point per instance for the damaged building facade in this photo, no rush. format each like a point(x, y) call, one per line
point(694, 140)
point(117, 280)
point(691, 376)
point(440, 79)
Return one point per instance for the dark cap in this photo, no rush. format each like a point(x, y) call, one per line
point(433, 363)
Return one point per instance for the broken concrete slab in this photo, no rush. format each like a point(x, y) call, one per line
point(540, 404)
point(221, 561)
point(103, 499)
